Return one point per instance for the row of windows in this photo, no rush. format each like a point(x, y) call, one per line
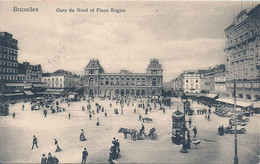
point(8, 50)
point(127, 81)
point(192, 81)
point(9, 57)
point(8, 70)
point(8, 77)
point(11, 64)
point(52, 79)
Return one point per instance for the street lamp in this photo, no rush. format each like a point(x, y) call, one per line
point(235, 135)
point(184, 147)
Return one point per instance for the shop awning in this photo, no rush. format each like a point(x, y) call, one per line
point(40, 93)
point(231, 101)
point(39, 85)
point(29, 93)
point(211, 95)
point(53, 93)
point(54, 90)
point(14, 84)
point(13, 94)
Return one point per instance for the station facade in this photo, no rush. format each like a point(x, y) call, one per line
point(97, 83)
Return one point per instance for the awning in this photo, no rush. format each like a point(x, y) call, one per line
point(13, 94)
point(53, 93)
point(231, 101)
point(54, 90)
point(211, 95)
point(40, 85)
point(14, 84)
point(29, 93)
point(40, 93)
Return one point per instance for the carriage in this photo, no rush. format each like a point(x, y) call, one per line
point(135, 135)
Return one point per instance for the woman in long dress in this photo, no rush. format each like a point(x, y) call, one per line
point(82, 136)
point(58, 149)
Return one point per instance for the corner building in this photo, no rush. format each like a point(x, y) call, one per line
point(242, 54)
point(125, 83)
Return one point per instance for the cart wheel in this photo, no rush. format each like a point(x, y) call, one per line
point(243, 130)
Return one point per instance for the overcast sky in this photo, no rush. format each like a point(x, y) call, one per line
point(182, 35)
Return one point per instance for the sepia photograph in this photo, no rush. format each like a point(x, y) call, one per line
point(129, 82)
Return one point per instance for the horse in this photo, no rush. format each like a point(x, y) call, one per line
point(127, 131)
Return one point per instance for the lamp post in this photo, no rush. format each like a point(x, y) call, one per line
point(235, 122)
point(184, 149)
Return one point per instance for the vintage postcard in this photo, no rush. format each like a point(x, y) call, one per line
point(129, 81)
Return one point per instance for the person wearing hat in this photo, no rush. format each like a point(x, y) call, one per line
point(84, 156)
point(55, 160)
point(50, 159)
point(34, 142)
point(58, 149)
point(44, 159)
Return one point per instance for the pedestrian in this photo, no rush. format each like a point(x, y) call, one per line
point(14, 115)
point(69, 115)
point(105, 113)
point(190, 122)
point(208, 117)
point(97, 122)
point(58, 149)
point(45, 113)
point(90, 116)
point(50, 159)
point(82, 136)
point(140, 117)
point(55, 160)
point(34, 142)
point(83, 108)
point(84, 156)
point(44, 159)
point(195, 131)
point(23, 107)
point(150, 109)
point(134, 110)
point(146, 110)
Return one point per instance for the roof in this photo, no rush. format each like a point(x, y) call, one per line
point(93, 64)
point(63, 72)
point(28, 93)
point(154, 63)
point(14, 84)
point(123, 71)
point(231, 101)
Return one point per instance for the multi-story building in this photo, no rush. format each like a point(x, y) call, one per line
point(242, 54)
point(191, 82)
point(124, 83)
point(220, 80)
point(9, 81)
point(187, 82)
point(64, 80)
point(32, 73)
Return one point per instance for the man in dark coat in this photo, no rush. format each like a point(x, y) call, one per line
point(195, 131)
point(44, 159)
point(50, 159)
point(84, 156)
point(34, 142)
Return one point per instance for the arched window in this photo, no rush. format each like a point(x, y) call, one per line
point(102, 81)
point(154, 82)
point(127, 82)
point(138, 82)
point(122, 81)
point(117, 81)
point(107, 81)
point(143, 81)
point(112, 82)
point(133, 81)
